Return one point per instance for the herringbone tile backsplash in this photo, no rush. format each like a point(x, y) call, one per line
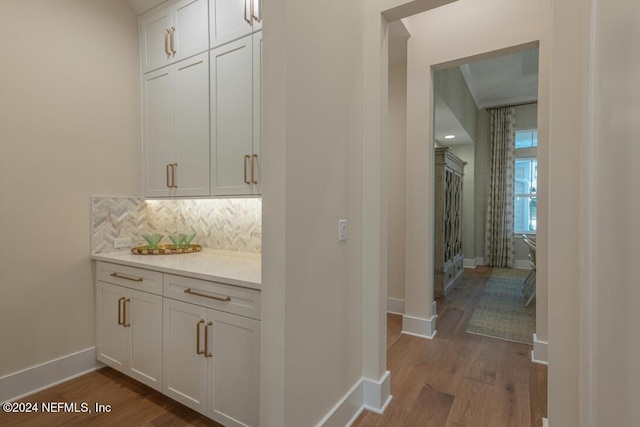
point(229, 224)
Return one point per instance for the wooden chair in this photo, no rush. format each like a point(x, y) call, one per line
point(529, 286)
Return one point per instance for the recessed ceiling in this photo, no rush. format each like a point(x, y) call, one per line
point(504, 80)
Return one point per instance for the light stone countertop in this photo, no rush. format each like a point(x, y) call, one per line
point(233, 268)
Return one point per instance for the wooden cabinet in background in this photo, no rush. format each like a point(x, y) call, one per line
point(448, 258)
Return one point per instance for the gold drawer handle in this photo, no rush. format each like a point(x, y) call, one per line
point(137, 279)
point(189, 291)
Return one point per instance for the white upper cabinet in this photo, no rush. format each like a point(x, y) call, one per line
point(175, 129)
point(173, 33)
point(235, 129)
point(230, 20)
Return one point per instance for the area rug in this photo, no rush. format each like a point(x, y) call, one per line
point(501, 313)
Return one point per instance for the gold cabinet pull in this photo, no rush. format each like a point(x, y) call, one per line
point(244, 162)
point(173, 175)
point(166, 42)
point(245, 12)
point(167, 171)
point(124, 313)
point(253, 166)
point(207, 353)
point(189, 291)
point(198, 351)
point(253, 11)
point(133, 279)
point(120, 322)
point(172, 32)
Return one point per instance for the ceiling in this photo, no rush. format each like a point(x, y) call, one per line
point(508, 79)
point(503, 80)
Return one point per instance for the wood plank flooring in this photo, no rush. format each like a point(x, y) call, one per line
point(460, 379)
point(132, 404)
point(455, 380)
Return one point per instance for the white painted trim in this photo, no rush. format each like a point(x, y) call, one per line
point(545, 422)
point(377, 394)
point(31, 380)
point(366, 394)
point(540, 354)
point(470, 262)
point(524, 264)
point(480, 261)
point(425, 328)
point(395, 306)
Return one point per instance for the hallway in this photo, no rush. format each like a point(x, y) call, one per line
point(460, 379)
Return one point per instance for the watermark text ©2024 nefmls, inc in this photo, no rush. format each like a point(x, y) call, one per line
point(53, 407)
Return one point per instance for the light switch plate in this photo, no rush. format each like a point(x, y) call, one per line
point(342, 230)
point(122, 242)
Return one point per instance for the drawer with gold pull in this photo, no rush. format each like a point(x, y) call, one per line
point(219, 296)
point(130, 277)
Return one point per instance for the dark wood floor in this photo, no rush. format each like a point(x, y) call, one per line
point(460, 379)
point(455, 380)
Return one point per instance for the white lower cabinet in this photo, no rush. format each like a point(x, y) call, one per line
point(211, 362)
point(191, 339)
point(129, 332)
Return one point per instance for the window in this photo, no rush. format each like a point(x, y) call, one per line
point(526, 138)
point(525, 182)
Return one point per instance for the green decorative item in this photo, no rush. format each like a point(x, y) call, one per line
point(177, 239)
point(188, 238)
point(152, 239)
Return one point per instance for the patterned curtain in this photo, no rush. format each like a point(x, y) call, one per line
point(500, 244)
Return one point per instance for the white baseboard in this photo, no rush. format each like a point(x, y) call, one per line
point(545, 422)
point(539, 354)
point(480, 261)
point(366, 394)
point(31, 380)
point(425, 328)
point(470, 262)
point(523, 264)
point(395, 306)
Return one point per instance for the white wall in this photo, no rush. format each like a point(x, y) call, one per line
point(397, 178)
point(469, 29)
point(614, 230)
point(311, 298)
point(69, 121)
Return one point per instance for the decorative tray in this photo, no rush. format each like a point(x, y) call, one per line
point(165, 250)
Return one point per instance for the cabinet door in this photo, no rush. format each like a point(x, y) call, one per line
point(191, 23)
point(191, 107)
point(144, 350)
point(234, 370)
point(184, 370)
point(232, 117)
point(229, 20)
point(154, 43)
point(157, 131)
point(111, 336)
point(257, 123)
point(173, 33)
